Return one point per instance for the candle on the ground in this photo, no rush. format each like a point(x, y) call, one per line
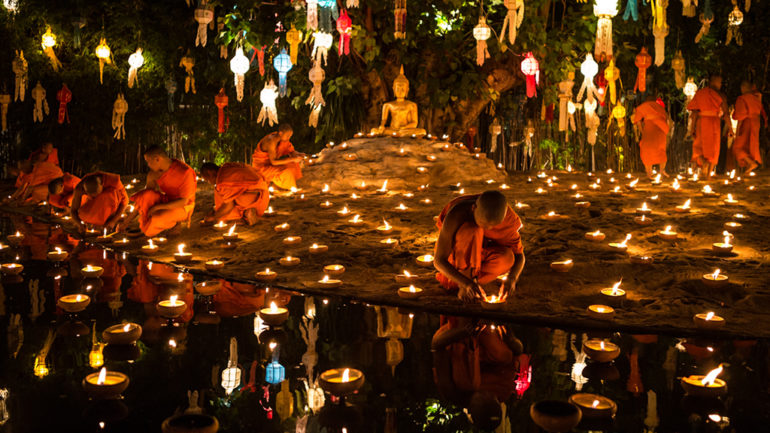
point(594, 406)
point(425, 261)
point(90, 271)
point(150, 248)
point(431, 158)
point(541, 191)
point(274, 315)
point(583, 204)
point(385, 228)
point(266, 275)
point(282, 227)
point(389, 243)
point(723, 247)
point(643, 220)
point(715, 279)
point(405, 277)
point(350, 157)
point(733, 225)
point(708, 320)
point(121, 334)
point(667, 234)
point(317, 249)
point(601, 312)
point(614, 294)
point(122, 241)
point(344, 211)
point(209, 288)
point(616, 192)
point(327, 204)
point(705, 386)
point(105, 384)
point(740, 216)
point(172, 307)
point(426, 201)
point(730, 199)
point(384, 188)
point(422, 170)
point(58, 255)
point(632, 184)
point(335, 269)
point(596, 236)
point(505, 186)
point(644, 210)
point(361, 186)
point(401, 208)
point(601, 350)
point(356, 220)
point(341, 382)
point(329, 282)
point(562, 265)
point(552, 216)
point(231, 235)
point(655, 197)
point(292, 240)
point(410, 292)
point(181, 256)
point(520, 205)
point(73, 303)
point(16, 238)
point(220, 225)
point(675, 186)
point(289, 261)
point(621, 246)
point(642, 260)
point(269, 212)
point(707, 191)
point(214, 265)
point(103, 238)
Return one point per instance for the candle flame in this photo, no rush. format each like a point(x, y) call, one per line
point(596, 233)
point(616, 189)
point(325, 279)
point(172, 300)
point(667, 230)
point(574, 186)
point(655, 197)
point(569, 168)
point(231, 231)
point(384, 186)
point(126, 327)
point(710, 314)
point(715, 275)
point(220, 224)
point(729, 197)
point(595, 404)
point(657, 178)
point(407, 274)
point(401, 206)
point(346, 375)
point(180, 248)
point(644, 206)
point(58, 250)
point(345, 210)
point(551, 213)
point(711, 377)
point(363, 184)
point(325, 188)
point(102, 376)
point(314, 246)
point(567, 262)
point(615, 288)
point(386, 225)
point(269, 210)
point(89, 268)
point(601, 345)
point(727, 236)
point(273, 308)
point(412, 288)
point(707, 189)
point(634, 182)
point(17, 234)
point(267, 270)
point(675, 185)
point(625, 241)
point(600, 309)
point(356, 218)
point(686, 204)
point(78, 298)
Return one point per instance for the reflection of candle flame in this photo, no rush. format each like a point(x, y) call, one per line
point(346, 375)
point(102, 376)
point(711, 377)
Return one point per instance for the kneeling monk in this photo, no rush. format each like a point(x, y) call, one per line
point(32, 183)
point(276, 160)
point(478, 241)
point(99, 199)
point(239, 192)
point(168, 197)
point(61, 190)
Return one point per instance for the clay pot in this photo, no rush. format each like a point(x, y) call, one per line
point(555, 416)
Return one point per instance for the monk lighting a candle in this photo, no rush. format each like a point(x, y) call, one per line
point(276, 160)
point(99, 199)
point(478, 241)
point(240, 192)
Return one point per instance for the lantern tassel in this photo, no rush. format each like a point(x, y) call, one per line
point(603, 48)
point(482, 53)
point(660, 34)
point(55, 63)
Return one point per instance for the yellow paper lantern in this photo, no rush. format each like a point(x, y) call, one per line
point(103, 52)
point(48, 41)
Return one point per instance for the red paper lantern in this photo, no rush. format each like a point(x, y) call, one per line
point(531, 69)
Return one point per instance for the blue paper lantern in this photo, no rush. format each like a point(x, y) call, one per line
point(282, 64)
point(274, 373)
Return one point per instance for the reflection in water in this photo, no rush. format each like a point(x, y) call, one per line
point(219, 364)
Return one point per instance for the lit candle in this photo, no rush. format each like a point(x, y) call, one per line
point(408, 195)
point(329, 282)
point(644, 210)
point(208, 288)
point(406, 277)
point(384, 188)
point(642, 260)
point(317, 249)
point(104, 238)
point(654, 198)
point(504, 186)
point(160, 240)
point(715, 279)
point(171, 308)
point(401, 208)
point(740, 216)
point(344, 211)
point(562, 265)
point(614, 294)
point(730, 199)
point(220, 225)
point(552, 216)
point(520, 205)
point(181, 256)
point(596, 236)
point(493, 302)
point(15, 239)
point(289, 261)
point(350, 157)
point(675, 186)
point(362, 186)
point(341, 382)
point(58, 255)
point(327, 204)
point(446, 147)
point(11, 268)
point(705, 386)
point(541, 191)
point(150, 248)
point(594, 406)
point(356, 220)
point(73, 303)
point(389, 243)
point(266, 275)
point(616, 191)
point(214, 265)
point(723, 247)
point(292, 240)
point(643, 220)
point(422, 170)
point(733, 225)
point(274, 316)
point(122, 241)
point(410, 292)
point(601, 350)
point(354, 196)
point(269, 212)
point(594, 186)
point(426, 201)
point(385, 228)
point(668, 234)
point(621, 246)
point(92, 271)
point(656, 180)
point(632, 185)
point(282, 227)
point(425, 261)
point(707, 191)
point(402, 152)
point(231, 235)
point(431, 158)
point(684, 208)
point(122, 334)
point(601, 312)
point(335, 269)
point(105, 384)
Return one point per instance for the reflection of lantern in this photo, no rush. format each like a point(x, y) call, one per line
point(345, 27)
point(267, 96)
point(531, 69)
point(96, 357)
point(293, 38)
point(604, 10)
point(274, 373)
point(589, 68)
point(326, 12)
point(48, 42)
point(481, 33)
point(239, 65)
point(231, 376)
point(40, 369)
point(400, 16)
point(690, 88)
point(103, 52)
point(619, 113)
point(394, 353)
point(135, 61)
point(282, 64)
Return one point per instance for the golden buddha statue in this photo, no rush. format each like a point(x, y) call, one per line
point(402, 113)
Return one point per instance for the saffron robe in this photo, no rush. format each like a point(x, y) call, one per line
point(652, 146)
point(244, 185)
point(37, 181)
point(99, 209)
point(63, 200)
point(708, 103)
point(748, 108)
point(178, 182)
point(283, 176)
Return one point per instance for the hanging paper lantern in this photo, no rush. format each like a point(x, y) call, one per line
point(293, 38)
point(592, 121)
point(704, 28)
point(5, 101)
point(612, 74)
point(40, 368)
point(322, 43)
point(327, 12)
point(204, 17)
point(239, 64)
point(231, 376)
point(282, 64)
point(660, 34)
point(104, 54)
point(171, 88)
point(274, 373)
point(222, 47)
point(513, 19)
point(48, 42)
point(135, 61)
point(119, 109)
point(619, 114)
point(400, 15)
point(13, 5)
point(678, 65)
point(41, 104)
point(312, 14)
point(261, 59)
point(20, 71)
point(631, 11)
point(77, 24)
point(690, 88)
point(188, 63)
point(589, 68)
point(734, 21)
point(267, 97)
point(605, 10)
point(689, 7)
point(565, 98)
point(64, 96)
point(221, 101)
point(481, 33)
point(642, 62)
point(352, 4)
point(316, 98)
point(345, 27)
point(531, 69)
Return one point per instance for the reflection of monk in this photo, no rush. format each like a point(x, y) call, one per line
point(169, 195)
point(403, 114)
point(707, 107)
point(748, 108)
point(33, 182)
point(475, 367)
point(238, 299)
point(652, 146)
point(239, 192)
point(478, 241)
point(99, 199)
point(276, 160)
point(61, 190)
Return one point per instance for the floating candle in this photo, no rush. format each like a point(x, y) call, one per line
point(341, 382)
point(150, 248)
point(668, 234)
point(385, 228)
point(335, 269)
point(596, 236)
point(289, 261)
point(282, 227)
point(601, 312)
point(73, 303)
point(214, 265)
point(105, 384)
point(58, 255)
point(389, 242)
point(401, 208)
point(425, 261)
point(410, 292)
point(601, 350)
point(562, 266)
point(274, 316)
point(644, 210)
point(621, 246)
point(181, 256)
point(172, 307)
point(684, 208)
point(122, 334)
point(705, 386)
point(329, 282)
point(92, 271)
point(292, 240)
point(266, 275)
point(715, 279)
point(317, 249)
point(344, 211)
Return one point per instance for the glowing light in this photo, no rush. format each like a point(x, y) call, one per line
point(711, 377)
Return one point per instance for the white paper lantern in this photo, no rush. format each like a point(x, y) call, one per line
point(267, 96)
point(481, 33)
point(135, 61)
point(231, 376)
point(605, 10)
point(589, 68)
point(239, 64)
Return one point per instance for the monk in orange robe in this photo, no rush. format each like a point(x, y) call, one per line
point(475, 367)
point(99, 199)
point(239, 192)
point(707, 107)
point(276, 160)
point(35, 178)
point(654, 126)
point(61, 190)
point(46, 153)
point(478, 241)
point(169, 195)
point(748, 109)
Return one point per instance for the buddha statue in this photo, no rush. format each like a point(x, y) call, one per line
point(402, 113)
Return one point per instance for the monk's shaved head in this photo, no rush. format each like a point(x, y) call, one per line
point(92, 185)
point(56, 186)
point(157, 158)
point(209, 172)
point(156, 151)
point(490, 208)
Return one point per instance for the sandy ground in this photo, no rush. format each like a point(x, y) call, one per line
point(662, 297)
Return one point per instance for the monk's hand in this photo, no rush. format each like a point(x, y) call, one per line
point(156, 209)
point(509, 287)
point(469, 292)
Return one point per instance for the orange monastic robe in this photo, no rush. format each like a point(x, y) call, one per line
point(244, 185)
point(99, 209)
point(64, 200)
point(283, 176)
point(486, 253)
point(652, 146)
point(42, 174)
point(748, 108)
point(178, 182)
point(52, 157)
point(708, 103)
